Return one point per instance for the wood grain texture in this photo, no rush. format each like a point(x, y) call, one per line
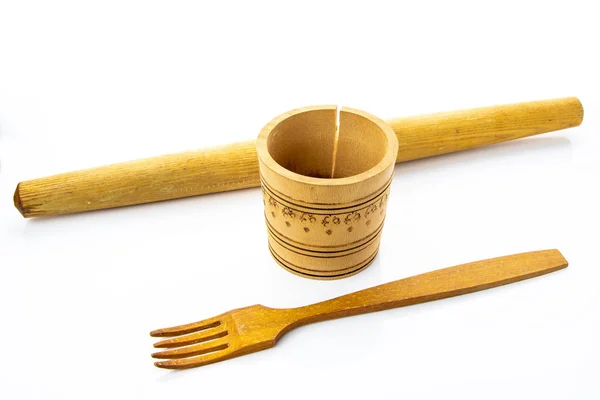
point(235, 166)
point(173, 176)
point(435, 134)
point(255, 328)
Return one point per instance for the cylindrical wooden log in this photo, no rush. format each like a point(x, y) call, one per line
point(173, 176)
point(423, 136)
point(235, 166)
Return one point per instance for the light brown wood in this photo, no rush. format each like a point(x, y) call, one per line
point(173, 176)
point(319, 227)
point(431, 135)
point(235, 166)
point(246, 330)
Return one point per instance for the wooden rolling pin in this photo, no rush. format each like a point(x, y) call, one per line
point(235, 166)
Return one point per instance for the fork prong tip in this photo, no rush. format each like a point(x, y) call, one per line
point(165, 364)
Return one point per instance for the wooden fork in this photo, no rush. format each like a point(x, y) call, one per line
point(257, 327)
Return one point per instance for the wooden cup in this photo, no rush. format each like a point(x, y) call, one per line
point(321, 227)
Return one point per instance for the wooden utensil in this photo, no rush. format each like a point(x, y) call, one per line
point(235, 166)
point(318, 227)
point(246, 330)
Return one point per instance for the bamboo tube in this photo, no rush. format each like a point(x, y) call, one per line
point(235, 166)
point(318, 227)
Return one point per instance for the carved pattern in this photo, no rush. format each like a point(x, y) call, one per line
point(307, 217)
point(349, 219)
point(273, 203)
point(288, 212)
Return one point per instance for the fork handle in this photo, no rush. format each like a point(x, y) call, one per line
point(435, 285)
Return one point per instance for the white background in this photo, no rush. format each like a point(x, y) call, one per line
point(89, 83)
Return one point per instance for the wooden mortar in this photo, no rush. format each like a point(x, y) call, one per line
point(322, 227)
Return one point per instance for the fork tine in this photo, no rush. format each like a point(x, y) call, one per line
point(195, 350)
point(191, 362)
point(193, 338)
point(187, 328)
